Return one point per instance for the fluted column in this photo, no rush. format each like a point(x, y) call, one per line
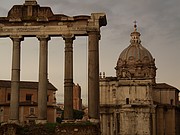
point(93, 76)
point(68, 77)
point(15, 79)
point(43, 79)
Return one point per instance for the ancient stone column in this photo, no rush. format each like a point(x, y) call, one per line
point(93, 76)
point(15, 79)
point(68, 77)
point(43, 79)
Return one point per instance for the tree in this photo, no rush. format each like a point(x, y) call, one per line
point(77, 114)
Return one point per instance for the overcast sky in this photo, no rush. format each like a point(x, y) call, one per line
point(158, 22)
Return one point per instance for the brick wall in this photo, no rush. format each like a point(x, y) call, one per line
point(61, 129)
point(78, 130)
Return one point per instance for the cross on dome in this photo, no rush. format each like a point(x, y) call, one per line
point(135, 25)
point(135, 36)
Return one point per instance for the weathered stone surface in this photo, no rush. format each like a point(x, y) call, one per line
point(45, 129)
point(9, 129)
point(78, 130)
point(32, 20)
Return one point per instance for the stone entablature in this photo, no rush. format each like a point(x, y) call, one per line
point(32, 20)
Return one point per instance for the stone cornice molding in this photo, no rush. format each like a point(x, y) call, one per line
point(32, 20)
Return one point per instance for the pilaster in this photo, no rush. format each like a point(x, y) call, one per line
point(153, 111)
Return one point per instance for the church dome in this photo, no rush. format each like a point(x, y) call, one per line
point(135, 62)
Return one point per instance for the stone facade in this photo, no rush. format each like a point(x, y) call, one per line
point(28, 102)
point(132, 103)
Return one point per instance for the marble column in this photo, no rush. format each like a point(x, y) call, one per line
point(43, 79)
point(93, 76)
point(15, 79)
point(68, 77)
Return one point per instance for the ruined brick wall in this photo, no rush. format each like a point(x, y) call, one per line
point(78, 130)
point(61, 129)
point(9, 129)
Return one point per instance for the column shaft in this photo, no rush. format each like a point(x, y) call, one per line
point(68, 78)
point(43, 78)
point(93, 75)
point(15, 79)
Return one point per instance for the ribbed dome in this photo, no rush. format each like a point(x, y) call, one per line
point(135, 62)
point(136, 52)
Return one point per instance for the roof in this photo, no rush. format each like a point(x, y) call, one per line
point(164, 86)
point(25, 84)
point(26, 103)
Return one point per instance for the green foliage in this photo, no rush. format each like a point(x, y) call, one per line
point(58, 120)
point(50, 127)
point(76, 114)
point(85, 123)
point(38, 129)
point(58, 109)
